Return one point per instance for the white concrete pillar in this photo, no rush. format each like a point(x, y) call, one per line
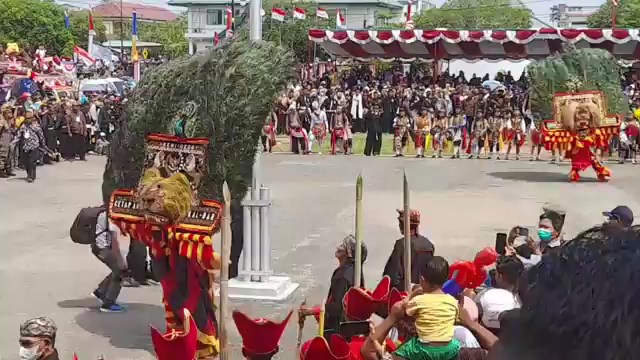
point(191, 47)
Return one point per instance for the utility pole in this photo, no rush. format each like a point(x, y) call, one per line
point(255, 20)
point(121, 35)
point(255, 34)
point(233, 16)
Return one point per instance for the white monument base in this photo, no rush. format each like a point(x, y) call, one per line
point(278, 288)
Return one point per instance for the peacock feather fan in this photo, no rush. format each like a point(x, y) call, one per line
point(573, 71)
point(224, 95)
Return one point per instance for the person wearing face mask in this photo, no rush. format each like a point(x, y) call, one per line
point(38, 339)
point(550, 230)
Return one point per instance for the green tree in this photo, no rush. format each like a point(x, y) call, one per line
point(627, 15)
point(169, 34)
point(293, 34)
point(475, 14)
point(32, 23)
point(79, 22)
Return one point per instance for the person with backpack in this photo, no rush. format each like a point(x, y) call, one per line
point(92, 227)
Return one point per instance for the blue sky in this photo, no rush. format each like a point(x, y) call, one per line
point(540, 8)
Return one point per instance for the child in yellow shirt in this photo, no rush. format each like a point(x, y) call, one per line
point(435, 314)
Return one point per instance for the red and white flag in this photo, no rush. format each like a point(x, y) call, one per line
point(229, 32)
point(322, 13)
point(92, 30)
point(299, 14)
point(83, 56)
point(340, 21)
point(409, 14)
point(409, 25)
point(278, 14)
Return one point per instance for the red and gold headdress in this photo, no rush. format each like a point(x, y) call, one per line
point(319, 348)
point(175, 344)
point(259, 336)
point(360, 304)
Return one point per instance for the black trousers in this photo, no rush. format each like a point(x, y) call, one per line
point(373, 143)
point(78, 146)
point(65, 144)
point(29, 161)
point(137, 260)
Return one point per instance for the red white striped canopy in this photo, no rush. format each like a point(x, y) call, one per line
point(473, 44)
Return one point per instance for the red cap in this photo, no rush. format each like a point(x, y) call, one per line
point(177, 345)
point(395, 296)
point(319, 349)
point(259, 336)
point(359, 304)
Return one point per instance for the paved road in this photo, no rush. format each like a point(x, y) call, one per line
point(463, 203)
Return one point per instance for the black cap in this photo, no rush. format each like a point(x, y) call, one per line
point(621, 213)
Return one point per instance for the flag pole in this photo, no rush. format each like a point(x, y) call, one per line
point(225, 250)
point(92, 32)
point(407, 234)
point(134, 49)
point(614, 13)
point(358, 266)
point(315, 51)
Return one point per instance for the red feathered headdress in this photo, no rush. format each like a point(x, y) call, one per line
point(259, 336)
point(177, 345)
point(359, 304)
point(319, 349)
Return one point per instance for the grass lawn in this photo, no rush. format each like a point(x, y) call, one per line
point(284, 145)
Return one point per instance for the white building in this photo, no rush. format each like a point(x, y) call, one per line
point(363, 14)
point(205, 18)
point(572, 16)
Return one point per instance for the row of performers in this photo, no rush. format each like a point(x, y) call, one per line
point(426, 130)
point(479, 136)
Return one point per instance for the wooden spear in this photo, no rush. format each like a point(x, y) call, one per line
point(407, 235)
point(358, 267)
point(301, 319)
point(225, 250)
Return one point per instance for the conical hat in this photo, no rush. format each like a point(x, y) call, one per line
point(177, 345)
point(360, 304)
point(319, 348)
point(259, 336)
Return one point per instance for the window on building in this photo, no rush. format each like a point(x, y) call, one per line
point(214, 17)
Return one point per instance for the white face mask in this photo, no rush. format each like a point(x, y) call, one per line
point(29, 354)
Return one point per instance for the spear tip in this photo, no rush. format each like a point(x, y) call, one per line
point(225, 193)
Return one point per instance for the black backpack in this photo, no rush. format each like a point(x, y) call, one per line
point(83, 230)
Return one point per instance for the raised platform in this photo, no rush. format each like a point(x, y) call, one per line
point(278, 288)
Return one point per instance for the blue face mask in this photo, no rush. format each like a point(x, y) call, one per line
point(545, 234)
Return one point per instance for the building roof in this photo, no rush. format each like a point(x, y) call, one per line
point(143, 12)
point(204, 2)
point(381, 3)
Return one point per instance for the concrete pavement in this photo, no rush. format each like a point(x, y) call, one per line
point(463, 204)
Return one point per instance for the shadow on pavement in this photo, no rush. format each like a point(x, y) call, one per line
point(538, 176)
point(129, 330)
